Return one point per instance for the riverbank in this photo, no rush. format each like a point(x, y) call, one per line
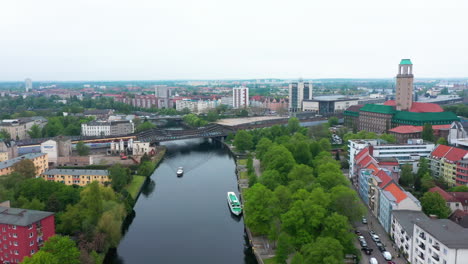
point(260, 244)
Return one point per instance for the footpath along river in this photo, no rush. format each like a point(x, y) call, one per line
point(186, 219)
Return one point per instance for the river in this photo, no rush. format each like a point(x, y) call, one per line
point(186, 219)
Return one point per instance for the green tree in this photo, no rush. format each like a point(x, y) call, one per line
point(62, 248)
point(324, 250)
point(302, 173)
point(297, 259)
point(262, 147)
point(460, 188)
point(26, 168)
point(337, 226)
point(293, 125)
point(407, 176)
point(146, 168)
point(243, 141)
point(333, 121)
point(35, 204)
point(35, 131)
point(325, 144)
point(5, 135)
point(271, 179)
point(82, 149)
point(284, 248)
point(120, 177)
point(388, 137)
point(41, 257)
point(428, 133)
point(442, 141)
point(212, 115)
point(279, 158)
point(427, 182)
point(434, 204)
point(146, 125)
point(345, 201)
point(259, 202)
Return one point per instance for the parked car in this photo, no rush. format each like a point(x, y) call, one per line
point(387, 255)
point(364, 220)
point(376, 238)
point(367, 250)
point(357, 232)
point(371, 232)
point(363, 243)
point(373, 261)
point(381, 248)
point(391, 262)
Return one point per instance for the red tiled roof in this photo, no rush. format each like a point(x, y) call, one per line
point(256, 98)
point(373, 167)
point(415, 129)
point(365, 161)
point(354, 108)
point(418, 107)
point(384, 177)
point(447, 197)
point(361, 154)
point(398, 193)
point(440, 151)
point(462, 197)
point(456, 154)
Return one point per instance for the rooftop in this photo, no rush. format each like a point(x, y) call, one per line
point(76, 172)
point(375, 108)
point(396, 191)
point(415, 129)
point(246, 120)
point(447, 232)
point(11, 162)
point(21, 217)
point(406, 62)
point(422, 118)
point(447, 197)
point(407, 218)
point(418, 107)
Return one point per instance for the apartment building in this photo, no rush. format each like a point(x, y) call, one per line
point(240, 97)
point(23, 232)
point(439, 241)
point(402, 230)
point(107, 128)
point(40, 160)
point(18, 128)
point(77, 177)
point(196, 106)
point(450, 164)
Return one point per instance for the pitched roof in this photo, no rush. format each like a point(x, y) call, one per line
point(384, 177)
point(415, 129)
point(447, 197)
point(354, 108)
point(373, 168)
point(396, 191)
point(456, 154)
point(447, 232)
point(375, 108)
point(407, 218)
point(440, 151)
point(21, 217)
point(462, 197)
point(362, 153)
point(418, 107)
point(413, 118)
point(405, 62)
point(76, 172)
point(460, 217)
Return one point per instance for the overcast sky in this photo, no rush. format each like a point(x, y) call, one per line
point(218, 39)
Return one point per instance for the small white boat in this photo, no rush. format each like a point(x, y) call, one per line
point(234, 204)
point(180, 171)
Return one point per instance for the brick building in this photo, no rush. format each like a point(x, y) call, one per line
point(23, 232)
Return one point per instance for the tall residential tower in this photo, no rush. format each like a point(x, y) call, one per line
point(298, 92)
point(404, 89)
point(240, 97)
point(28, 84)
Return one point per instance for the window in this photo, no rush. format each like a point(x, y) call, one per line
point(30, 226)
point(16, 252)
point(15, 243)
point(15, 235)
point(32, 251)
point(445, 251)
point(31, 234)
point(31, 242)
point(14, 227)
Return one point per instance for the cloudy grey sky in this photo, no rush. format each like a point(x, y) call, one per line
point(218, 39)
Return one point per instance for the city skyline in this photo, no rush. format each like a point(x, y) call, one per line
point(208, 40)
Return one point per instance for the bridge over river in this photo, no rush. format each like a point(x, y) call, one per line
point(160, 135)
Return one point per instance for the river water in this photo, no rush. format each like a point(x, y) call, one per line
point(186, 219)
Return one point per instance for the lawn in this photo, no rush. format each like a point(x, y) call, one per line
point(243, 175)
point(242, 162)
point(135, 185)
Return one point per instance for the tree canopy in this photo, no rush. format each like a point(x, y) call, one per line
point(433, 204)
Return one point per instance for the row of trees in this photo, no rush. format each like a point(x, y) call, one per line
point(301, 201)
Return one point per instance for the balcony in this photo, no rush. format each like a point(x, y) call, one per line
point(436, 246)
point(436, 257)
point(422, 246)
point(422, 235)
point(421, 256)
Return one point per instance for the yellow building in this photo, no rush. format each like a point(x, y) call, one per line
point(40, 160)
point(76, 177)
point(3, 156)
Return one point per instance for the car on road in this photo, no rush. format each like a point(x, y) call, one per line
point(364, 220)
point(373, 261)
point(363, 243)
point(387, 255)
point(367, 250)
point(381, 248)
point(371, 232)
point(376, 238)
point(357, 232)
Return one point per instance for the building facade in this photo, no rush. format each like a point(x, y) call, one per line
point(18, 128)
point(28, 85)
point(298, 92)
point(77, 177)
point(240, 97)
point(23, 232)
point(404, 86)
point(40, 160)
point(450, 164)
point(107, 128)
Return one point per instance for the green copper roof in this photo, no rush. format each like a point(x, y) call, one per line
point(406, 62)
point(375, 108)
point(419, 119)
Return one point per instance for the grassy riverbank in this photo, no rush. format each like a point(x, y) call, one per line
point(135, 186)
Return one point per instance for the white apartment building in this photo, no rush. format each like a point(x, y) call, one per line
point(240, 97)
point(195, 106)
point(298, 92)
point(439, 241)
point(402, 230)
point(227, 100)
point(105, 128)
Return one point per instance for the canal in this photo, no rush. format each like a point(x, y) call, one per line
point(186, 219)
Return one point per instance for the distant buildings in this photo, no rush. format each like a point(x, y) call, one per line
point(18, 128)
point(107, 128)
point(77, 177)
point(240, 97)
point(163, 93)
point(402, 112)
point(298, 92)
point(28, 84)
point(196, 106)
point(23, 232)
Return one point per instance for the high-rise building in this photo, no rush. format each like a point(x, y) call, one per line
point(240, 97)
point(404, 89)
point(163, 93)
point(28, 84)
point(298, 92)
